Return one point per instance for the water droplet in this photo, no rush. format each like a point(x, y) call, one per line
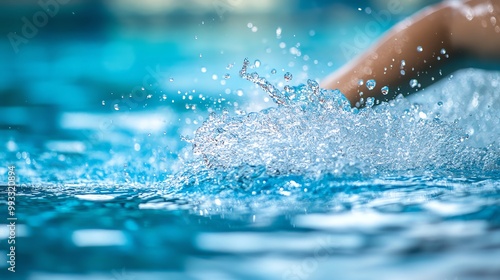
point(313, 84)
point(278, 32)
point(370, 101)
point(469, 14)
point(413, 83)
point(256, 63)
point(370, 84)
point(273, 71)
point(385, 90)
point(420, 49)
point(288, 76)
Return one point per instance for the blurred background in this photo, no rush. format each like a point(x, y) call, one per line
point(66, 61)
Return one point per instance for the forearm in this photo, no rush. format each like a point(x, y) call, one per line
point(421, 49)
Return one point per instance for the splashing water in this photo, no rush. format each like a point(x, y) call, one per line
point(315, 132)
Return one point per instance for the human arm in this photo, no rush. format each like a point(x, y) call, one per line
point(422, 49)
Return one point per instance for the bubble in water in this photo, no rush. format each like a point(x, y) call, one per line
point(370, 84)
point(385, 90)
point(273, 71)
point(440, 103)
point(403, 72)
point(288, 76)
point(117, 108)
point(229, 66)
point(103, 103)
point(227, 76)
point(256, 63)
point(171, 79)
point(203, 70)
point(360, 82)
point(403, 63)
point(413, 83)
point(420, 49)
point(443, 51)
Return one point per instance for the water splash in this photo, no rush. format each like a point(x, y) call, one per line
point(315, 132)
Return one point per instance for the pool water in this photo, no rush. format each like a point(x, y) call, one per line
point(284, 193)
point(286, 183)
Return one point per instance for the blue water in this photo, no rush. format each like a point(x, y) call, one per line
point(286, 182)
point(304, 190)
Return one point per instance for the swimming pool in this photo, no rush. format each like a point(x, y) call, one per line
point(164, 183)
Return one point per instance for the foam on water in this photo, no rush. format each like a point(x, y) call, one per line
point(314, 132)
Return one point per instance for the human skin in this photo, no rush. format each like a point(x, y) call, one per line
point(432, 43)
